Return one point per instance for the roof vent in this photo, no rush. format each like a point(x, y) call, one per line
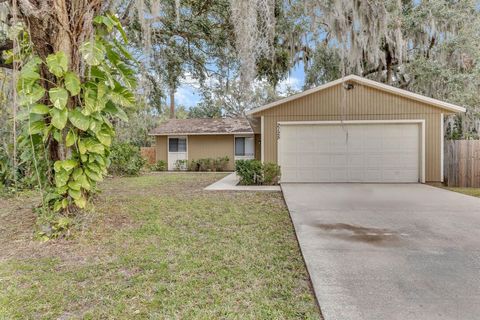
point(348, 85)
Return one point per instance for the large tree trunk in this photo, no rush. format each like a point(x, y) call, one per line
point(58, 25)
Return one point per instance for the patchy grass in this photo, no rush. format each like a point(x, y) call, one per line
point(158, 247)
point(474, 192)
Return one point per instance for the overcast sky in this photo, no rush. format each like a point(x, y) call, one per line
point(188, 94)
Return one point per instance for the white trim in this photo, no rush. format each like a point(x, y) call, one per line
point(421, 122)
point(370, 83)
point(262, 138)
point(235, 157)
point(351, 122)
point(442, 144)
point(168, 146)
point(200, 134)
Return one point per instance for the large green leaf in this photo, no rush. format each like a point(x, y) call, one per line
point(29, 71)
point(93, 175)
point(36, 127)
point(65, 165)
point(80, 202)
point(59, 97)
point(90, 98)
point(121, 96)
point(39, 109)
point(93, 52)
point(104, 137)
point(72, 83)
point(59, 118)
point(75, 194)
point(79, 120)
point(81, 147)
point(116, 111)
point(61, 178)
point(75, 185)
point(31, 95)
point(94, 146)
point(71, 138)
point(57, 63)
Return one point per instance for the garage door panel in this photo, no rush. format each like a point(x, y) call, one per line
point(350, 153)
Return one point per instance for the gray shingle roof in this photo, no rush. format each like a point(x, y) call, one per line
point(203, 126)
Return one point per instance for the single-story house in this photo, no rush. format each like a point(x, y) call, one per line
point(349, 130)
point(194, 139)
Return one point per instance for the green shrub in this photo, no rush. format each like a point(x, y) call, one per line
point(271, 173)
point(193, 166)
point(205, 164)
point(181, 165)
point(125, 160)
point(160, 165)
point(221, 163)
point(253, 172)
point(209, 164)
point(249, 171)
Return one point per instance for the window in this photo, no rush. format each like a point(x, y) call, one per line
point(239, 146)
point(177, 145)
point(244, 147)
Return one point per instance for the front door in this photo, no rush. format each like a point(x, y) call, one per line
point(177, 153)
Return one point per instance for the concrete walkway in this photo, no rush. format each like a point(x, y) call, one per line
point(391, 251)
point(230, 183)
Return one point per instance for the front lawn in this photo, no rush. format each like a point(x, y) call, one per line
point(475, 192)
point(158, 247)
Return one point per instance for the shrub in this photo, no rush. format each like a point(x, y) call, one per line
point(249, 171)
point(221, 163)
point(160, 165)
point(193, 166)
point(125, 160)
point(253, 172)
point(181, 165)
point(205, 164)
point(271, 173)
point(209, 164)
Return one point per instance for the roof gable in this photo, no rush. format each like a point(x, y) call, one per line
point(369, 83)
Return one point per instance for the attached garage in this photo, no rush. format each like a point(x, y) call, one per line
point(355, 130)
point(353, 151)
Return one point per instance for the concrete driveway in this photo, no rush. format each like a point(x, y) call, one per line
point(389, 251)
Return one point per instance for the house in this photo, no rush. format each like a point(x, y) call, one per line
point(193, 139)
point(349, 130)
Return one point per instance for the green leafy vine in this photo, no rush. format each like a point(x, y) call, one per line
point(77, 110)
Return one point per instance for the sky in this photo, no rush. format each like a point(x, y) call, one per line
point(188, 94)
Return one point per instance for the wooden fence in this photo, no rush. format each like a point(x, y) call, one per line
point(148, 153)
point(462, 163)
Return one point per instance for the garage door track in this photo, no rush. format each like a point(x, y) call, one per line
point(389, 251)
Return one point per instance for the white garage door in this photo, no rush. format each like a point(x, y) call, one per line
point(373, 152)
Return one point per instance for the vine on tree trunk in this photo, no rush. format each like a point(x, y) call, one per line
point(74, 110)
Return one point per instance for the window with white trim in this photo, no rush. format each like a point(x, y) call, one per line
point(244, 147)
point(177, 145)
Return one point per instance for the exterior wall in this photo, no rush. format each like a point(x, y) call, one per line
point(360, 103)
point(258, 146)
point(211, 146)
point(161, 148)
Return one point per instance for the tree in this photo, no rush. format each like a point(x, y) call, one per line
point(428, 47)
point(74, 75)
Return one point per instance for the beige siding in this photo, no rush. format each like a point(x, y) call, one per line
point(211, 146)
point(360, 103)
point(258, 146)
point(161, 148)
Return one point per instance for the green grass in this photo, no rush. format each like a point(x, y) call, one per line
point(158, 247)
point(475, 192)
